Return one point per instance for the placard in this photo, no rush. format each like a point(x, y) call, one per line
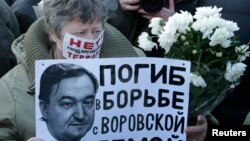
point(138, 99)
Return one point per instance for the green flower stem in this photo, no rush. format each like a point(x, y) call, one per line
point(199, 57)
point(215, 61)
point(199, 61)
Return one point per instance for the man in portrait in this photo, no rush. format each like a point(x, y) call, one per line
point(67, 100)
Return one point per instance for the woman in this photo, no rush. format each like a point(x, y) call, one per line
point(64, 19)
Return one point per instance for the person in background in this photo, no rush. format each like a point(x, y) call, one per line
point(9, 30)
point(10, 2)
point(25, 13)
point(130, 18)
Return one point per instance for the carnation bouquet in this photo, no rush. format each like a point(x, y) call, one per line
point(209, 42)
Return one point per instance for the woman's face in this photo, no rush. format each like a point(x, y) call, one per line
point(78, 28)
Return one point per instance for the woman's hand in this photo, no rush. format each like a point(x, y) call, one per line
point(199, 131)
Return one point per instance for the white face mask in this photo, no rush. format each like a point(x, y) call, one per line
point(75, 47)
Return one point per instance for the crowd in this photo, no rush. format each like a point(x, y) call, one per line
point(28, 33)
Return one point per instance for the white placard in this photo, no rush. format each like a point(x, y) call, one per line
point(139, 99)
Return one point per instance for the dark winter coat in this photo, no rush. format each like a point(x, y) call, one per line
point(25, 13)
point(9, 30)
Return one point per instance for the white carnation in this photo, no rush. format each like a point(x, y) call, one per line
point(230, 25)
point(157, 25)
point(182, 21)
point(221, 37)
point(233, 72)
point(186, 43)
point(197, 80)
point(183, 38)
point(167, 38)
point(218, 54)
point(206, 12)
point(194, 51)
point(243, 52)
point(170, 26)
point(206, 26)
point(145, 42)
